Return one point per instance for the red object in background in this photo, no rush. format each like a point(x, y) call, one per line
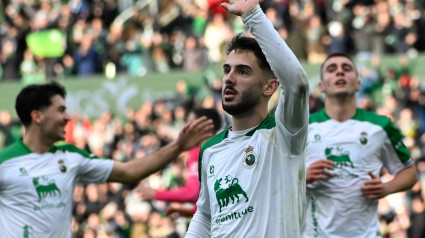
point(404, 81)
point(70, 127)
point(215, 8)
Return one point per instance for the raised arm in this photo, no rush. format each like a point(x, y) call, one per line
point(293, 106)
point(190, 136)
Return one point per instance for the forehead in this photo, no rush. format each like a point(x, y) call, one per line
point(338, 60)
point(57, 100)
point(245, 57)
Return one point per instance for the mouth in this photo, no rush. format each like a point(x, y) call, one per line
point(340, 82)
point(229, 93)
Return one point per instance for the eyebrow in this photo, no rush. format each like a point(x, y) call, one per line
point(239, 66)
point(343, 65)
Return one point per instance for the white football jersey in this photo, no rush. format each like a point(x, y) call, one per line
point(367, 142)
point(255, 186)
point(36, 191)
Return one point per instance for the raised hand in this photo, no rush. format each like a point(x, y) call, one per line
point(240, 6)
point(193, 133)
point(317, 170)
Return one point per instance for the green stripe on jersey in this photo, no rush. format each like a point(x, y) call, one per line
point(72, 148)
point(15, 150)
point(393, 133)
point(268, 123)
point(318, 117)
point(18, 149)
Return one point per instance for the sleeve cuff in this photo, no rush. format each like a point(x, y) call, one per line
point(251, 12)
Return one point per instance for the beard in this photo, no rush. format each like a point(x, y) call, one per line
point(246, 103)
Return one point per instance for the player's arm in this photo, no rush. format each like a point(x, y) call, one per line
point(190, 136)
point(397, 160)
point(188, 193)
point(285, 65)
point(200, 226)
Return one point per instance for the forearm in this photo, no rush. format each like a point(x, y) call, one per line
point(286, 67)
point(139, 168)
point(403, 180)
point(188, 193)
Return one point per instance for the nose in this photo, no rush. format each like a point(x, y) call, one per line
point(67, 117)
point(339, 71)
point(228, 79)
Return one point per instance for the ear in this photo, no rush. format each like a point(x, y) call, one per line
point(270, 87)
point(358, 85)
point(322, 89)
point(36, 116)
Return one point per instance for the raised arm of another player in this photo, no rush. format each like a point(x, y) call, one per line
point(293, 111)
point(192, 134)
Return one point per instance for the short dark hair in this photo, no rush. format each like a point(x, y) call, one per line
point(337, 55)
point(244, 43)
point(36, 97)
point(210, 113)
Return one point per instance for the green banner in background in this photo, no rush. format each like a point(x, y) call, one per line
point(92, 95)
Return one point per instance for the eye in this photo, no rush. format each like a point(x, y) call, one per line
point(226, 70)
point(243, 72)
point(348, 68)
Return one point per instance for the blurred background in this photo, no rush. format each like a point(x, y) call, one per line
point(134, 69)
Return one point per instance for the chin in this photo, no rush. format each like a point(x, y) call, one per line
point(60, 137)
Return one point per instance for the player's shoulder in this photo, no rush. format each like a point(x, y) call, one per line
point(65, 147)
point(318, 117)
point(371, 117)
point(215, 139)
point(15, 150)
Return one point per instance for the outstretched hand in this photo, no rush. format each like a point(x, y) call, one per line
point(195, 132)
point(240, 6)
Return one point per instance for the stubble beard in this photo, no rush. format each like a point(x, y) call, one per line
point(247, 102)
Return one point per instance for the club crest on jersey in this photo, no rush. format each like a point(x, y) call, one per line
point(363, 139)
point(62, 166)
point(250, 159)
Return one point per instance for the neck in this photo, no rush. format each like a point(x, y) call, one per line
point(340, 109)
point(248, 120)
point(36, 143)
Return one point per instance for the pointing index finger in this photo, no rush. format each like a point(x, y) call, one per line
point(372, 175)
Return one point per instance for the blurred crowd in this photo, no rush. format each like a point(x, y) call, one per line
point(138, 37)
